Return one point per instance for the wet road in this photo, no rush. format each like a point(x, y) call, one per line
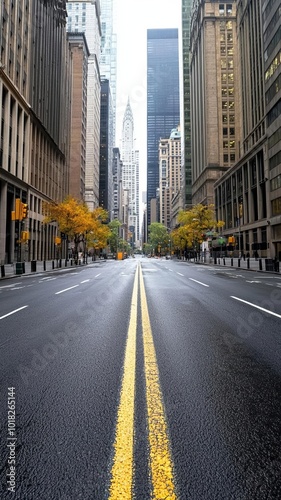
point(141, 379)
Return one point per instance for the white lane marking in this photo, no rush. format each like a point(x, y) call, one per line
point(97, 275)
point(17, 288)
point(66, 289)
point(257, 307)
point(13, 312)
point(180, 274)
point(171, 270)
point(247, 281)
point(85, 281)
point(203, 284)
point(9, 286)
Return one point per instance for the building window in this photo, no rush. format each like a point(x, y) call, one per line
point(225, 158)
point(228, 9)
point(276, 206)
point(225, 131)
point(221, 9)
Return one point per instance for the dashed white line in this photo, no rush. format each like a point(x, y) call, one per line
point(257, 307)
point(13, 312)
point(200, 283)
point(180, 274)
point(66, 289)
point(10, 286)
point(85, 281)
point(97, 275)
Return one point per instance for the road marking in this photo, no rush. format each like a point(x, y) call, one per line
point(161, 464)
point(66, 289)
point(13, 312)
point(180, 274)
point(9, 286)
point(97, 275)
point(203, 284)
point(85, 281)
point(257, 307)
point(121, 485)
point(247, 281)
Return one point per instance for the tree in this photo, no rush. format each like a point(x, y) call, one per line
point(75, 220)
point(158, 237)
point(114, 238)
point(194, 224)
point(98, 235)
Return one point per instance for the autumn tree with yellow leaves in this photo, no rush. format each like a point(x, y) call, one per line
point(77, 222)
point(194, 226)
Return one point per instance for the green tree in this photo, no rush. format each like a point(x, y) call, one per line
point(114, 239)
point(158, 237)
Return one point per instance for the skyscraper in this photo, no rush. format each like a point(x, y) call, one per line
point(185, 122)
point(214, 96)
point(163, 101)
point(108, 52)
point(85, 17)
point(106, 150)
point(130, 170)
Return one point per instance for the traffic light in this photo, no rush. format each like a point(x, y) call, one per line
point(18, 210)
point(24, 210)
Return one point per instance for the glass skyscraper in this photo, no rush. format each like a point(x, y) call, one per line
point(163, 99)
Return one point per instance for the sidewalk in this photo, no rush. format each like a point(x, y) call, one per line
point(34, 267)
point(265, 265)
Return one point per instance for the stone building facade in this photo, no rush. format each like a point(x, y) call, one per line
point(34, 116)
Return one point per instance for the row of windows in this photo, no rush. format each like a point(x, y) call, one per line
point(228, 118)
point(276, 206)
point(273, 90)
point(274, 42)
point(273, 67)
point(225, 9)
point(275, 138)
point(275, 183)
point(275, 161)
point(226, 25)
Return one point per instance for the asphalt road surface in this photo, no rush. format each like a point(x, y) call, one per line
point(141, 379)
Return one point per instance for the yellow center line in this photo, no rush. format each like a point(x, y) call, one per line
point(160, 456)
point(121, 486)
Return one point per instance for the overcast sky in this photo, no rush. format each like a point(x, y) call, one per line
point(133, 18)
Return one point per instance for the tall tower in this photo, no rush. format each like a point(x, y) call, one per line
point(84, 17)
point(271, 16)
point(169, 176)
point(108, 56)
point(185, 109)
point(214, 96)
point(163, 101)
point(130, 171)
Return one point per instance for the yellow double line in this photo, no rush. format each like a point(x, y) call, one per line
point(160, 460)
